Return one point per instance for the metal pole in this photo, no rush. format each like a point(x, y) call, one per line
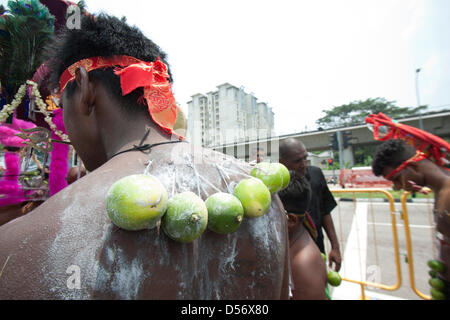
point(418, 99)
point(332, 166)
point(339, 139)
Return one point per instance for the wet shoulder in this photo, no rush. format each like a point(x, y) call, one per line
point(71, 235)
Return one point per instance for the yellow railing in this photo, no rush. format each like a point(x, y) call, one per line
point(390, 198)
point(409, 249)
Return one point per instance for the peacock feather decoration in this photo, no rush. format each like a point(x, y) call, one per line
point(26, 27)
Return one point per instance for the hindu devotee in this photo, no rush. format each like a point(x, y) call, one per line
point(309, 273)
point(120, 115)
point(411, 170)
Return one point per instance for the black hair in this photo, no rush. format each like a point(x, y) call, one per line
point(391, 153)
point(105, 36)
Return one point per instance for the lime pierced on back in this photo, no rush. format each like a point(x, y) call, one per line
point(186, 217)
point(225, 212)
point(436, 294)
point(436, 265)
point(432, 273)
point(436, 283)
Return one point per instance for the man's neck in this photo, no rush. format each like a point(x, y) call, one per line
point(434, 177)
point(142, 134)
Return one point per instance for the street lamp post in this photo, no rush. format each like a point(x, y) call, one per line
point(418, 98)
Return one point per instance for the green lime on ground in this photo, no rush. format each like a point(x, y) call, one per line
point(436, 283)
point(136, 202)
point(436, 294)
point(254, 196)
point(225, 212)
point(436, 265)
point(186, 217)
point(334, 278)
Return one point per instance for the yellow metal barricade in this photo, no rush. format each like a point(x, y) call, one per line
point(390, 198)
point(408, 242)
point(409, 250)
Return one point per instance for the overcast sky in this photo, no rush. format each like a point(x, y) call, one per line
point(301, 57)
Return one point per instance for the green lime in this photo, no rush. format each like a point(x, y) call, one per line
point(436, 265)
point(436, 283)
point(436, 294)
point(269, 174)
point(286, 175)
point(334, 278)
point(186, 217)
point(254, 196)
point(324, 257)
point(225, 212)
point(432, 273)
point(136, 202)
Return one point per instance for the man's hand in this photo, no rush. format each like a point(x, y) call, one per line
point(335, 257)
point(418, 188)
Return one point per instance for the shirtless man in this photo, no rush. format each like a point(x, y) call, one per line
point(410, 171)
point(309, 273)
point(69, 249)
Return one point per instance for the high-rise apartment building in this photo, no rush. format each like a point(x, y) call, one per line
point(228, 115)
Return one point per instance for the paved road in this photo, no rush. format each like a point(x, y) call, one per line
point(367, 244)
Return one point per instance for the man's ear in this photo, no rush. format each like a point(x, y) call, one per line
point(87, 95)
point(292, 220)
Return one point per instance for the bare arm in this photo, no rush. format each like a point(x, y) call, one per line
point(308, 270)
point(335, 253)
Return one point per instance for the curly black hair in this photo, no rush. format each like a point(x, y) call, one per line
point(391, 153)
point(105, 36)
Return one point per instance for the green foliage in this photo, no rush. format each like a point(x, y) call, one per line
point(356, 112)
point(363, 155)
point(28, 25)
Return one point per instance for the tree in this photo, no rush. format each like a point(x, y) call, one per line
point(26, 29)
point(356, 112)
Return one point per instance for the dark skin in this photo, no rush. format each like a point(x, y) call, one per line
point(309, 273)
point(259, 156)
point(73, 174)
point(296, 160)
point(308, 267)
point(72, 227)
point(425, 173)
point(11, 212)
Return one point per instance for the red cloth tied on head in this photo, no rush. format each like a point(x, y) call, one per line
point(433, 146)
point(419, 156)
point(134, 73)
point(428, 146)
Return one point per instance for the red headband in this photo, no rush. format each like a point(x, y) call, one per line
point(419, 156)
point(134, 73)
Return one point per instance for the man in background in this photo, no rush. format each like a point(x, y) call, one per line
point(294, 156)
point(410, 170)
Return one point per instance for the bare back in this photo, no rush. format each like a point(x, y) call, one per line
point(71, 231)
